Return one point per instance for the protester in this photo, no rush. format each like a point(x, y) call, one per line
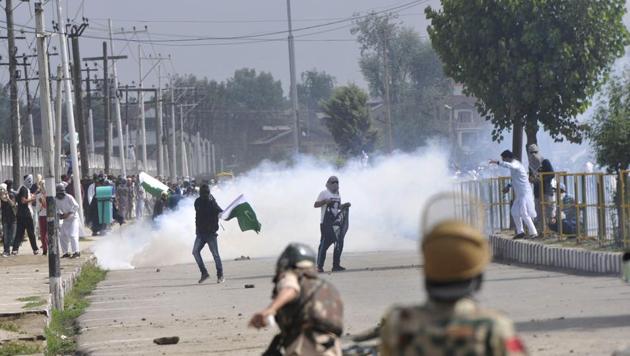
point(333, 224)
point(68, 208)
point(8, 208)
point(307, 309)
point(451, 322)
point(40, 209)
point(160, 205)
point(568, 215)
point(207, 223)
point(122, 197)
point(139, 195)
point(539, 169)
point(523, 209)
point(25, 223)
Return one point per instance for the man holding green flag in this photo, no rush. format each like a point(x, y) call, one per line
point(207, 213)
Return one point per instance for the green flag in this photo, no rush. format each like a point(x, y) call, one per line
point(244, 213)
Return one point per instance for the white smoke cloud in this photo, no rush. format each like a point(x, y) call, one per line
point(387, 197)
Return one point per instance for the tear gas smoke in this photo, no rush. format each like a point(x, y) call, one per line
point(387, 198)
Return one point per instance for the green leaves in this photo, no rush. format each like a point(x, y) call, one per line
point(545, 59)
point(349, 120)
point(610, 129)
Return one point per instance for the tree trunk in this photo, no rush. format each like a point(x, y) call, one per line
point(531, 129)
point(517, 136)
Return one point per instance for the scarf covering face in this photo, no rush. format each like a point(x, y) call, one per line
point(333, 188)
point(28, 181)
point(534, 157)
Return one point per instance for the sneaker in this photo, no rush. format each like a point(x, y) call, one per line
point(36, 252)
point(532, 237)
point(320, 270)
point(203, 277)
point(75, 255)
point(14, 253)
point(44, 253)
point(338, 269)
point(5, 254)
point(519, 236)
point(220, 280)
point(65, 255)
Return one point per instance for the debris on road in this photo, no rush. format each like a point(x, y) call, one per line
point(250, 286)
point(169, 340)
point(242, 258)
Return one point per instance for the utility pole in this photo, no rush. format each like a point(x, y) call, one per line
point(182, 144)
point(388, 109)
point(76, 179)
point(107, 102)
point(29, 104)
point(16, 133)
point(90, 122)
point(143, 129)
point(54, 270)
point(75, 32)
point(58, 125)
point(294, 97)
point(117, 105)
point(158, 131)
point(173, 135)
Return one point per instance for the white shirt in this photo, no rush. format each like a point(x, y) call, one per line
point(520, 178)
point(67, 205)
point(336, 202)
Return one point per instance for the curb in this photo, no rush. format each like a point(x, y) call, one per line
point(67, 282)
point(574, 259)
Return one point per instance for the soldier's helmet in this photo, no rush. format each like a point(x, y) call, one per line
point(454, 248)
point(296, 255)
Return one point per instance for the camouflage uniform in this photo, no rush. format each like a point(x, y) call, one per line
point(459, 328)
point(303, 322)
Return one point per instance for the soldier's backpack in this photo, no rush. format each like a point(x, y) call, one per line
point(319, 308)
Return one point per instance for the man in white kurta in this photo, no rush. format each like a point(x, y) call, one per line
point(523, 208)
point(68, 208)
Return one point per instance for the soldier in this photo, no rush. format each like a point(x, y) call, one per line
point(308, 310)
point(450, 322)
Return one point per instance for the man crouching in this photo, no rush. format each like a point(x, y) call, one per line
point(307, 309)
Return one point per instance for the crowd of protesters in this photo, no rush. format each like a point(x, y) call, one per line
point(23, 209)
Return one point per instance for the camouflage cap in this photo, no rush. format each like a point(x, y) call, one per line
point(454, 251)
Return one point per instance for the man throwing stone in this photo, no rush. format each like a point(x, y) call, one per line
point(523, 209)
point(333, 224)
point(207, 223)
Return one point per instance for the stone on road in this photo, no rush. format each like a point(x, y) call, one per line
point(556, 313)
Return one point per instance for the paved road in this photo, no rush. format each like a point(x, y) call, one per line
point(557, 313)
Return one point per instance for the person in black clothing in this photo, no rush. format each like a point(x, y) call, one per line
point(25, 216)
point(160, 205)
point(544, 202)
point(207, 223)
point(7, 205)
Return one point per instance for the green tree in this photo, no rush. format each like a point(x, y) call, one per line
point(254, 91)
point(349, 120)
point(315, 87)
point(417, 82)
point(610, 127)
point(530, 62)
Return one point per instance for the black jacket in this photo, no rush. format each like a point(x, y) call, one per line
point(207, 215)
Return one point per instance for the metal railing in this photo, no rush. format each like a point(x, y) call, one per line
point(595, 207)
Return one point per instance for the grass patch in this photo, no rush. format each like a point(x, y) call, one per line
point(32, 302)
point(20, 348)
point(9, 326)
point(60, 334)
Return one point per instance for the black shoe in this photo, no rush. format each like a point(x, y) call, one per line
point(65, 255)
point(45, 253)
point(519, 236)
point(338, 269)
point(320, 270)
point(75, 255)
point(203, 277)
point(36, 252)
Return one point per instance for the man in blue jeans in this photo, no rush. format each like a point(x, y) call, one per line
point(207, 223)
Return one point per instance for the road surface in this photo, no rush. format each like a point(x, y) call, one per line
point(556, 313)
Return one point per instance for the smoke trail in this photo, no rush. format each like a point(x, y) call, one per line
point(386, 198)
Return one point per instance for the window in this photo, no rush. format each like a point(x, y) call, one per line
point(464, 116)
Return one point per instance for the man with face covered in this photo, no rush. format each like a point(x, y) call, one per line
point(68, 208)
point(25, 223)
point(333, 224)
